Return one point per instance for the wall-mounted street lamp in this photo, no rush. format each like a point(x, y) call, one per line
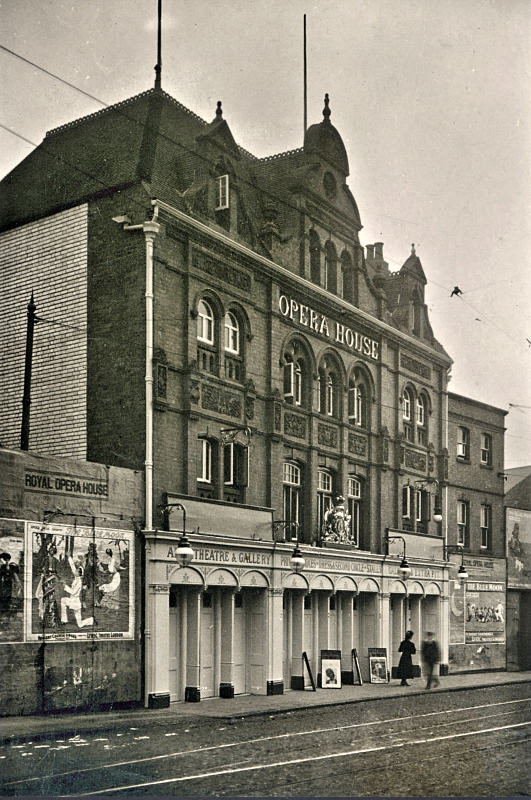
point(404, 568)
point(437, 507)
point(462, 574)
point(297, 560)
point(184, 553)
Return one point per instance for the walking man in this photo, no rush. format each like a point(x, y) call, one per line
point(431, 656)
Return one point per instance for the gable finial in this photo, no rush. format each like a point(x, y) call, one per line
point(326, 109)
point(219, 112)
point(413, 249)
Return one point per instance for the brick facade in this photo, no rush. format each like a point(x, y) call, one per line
point(47, 257)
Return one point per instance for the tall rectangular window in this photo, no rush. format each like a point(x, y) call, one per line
point(291, 478)
point(324, 496)
point(462, 522)
point(486, 449)
point(485, 527)
point(222, 192)
point(205, 461)
point(354, 508)
point(463, 443)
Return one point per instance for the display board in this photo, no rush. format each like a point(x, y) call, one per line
point(331, 669)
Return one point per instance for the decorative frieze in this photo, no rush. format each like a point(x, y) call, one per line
point(415, 460)
point(327, 436)
point(294, 425)
point(213, 398)
point(229, 274)
point(357, 444)
point(415, 366)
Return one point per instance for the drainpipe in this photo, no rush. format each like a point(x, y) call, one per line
point(150, 228)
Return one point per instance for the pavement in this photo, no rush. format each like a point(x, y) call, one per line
point(42, 726)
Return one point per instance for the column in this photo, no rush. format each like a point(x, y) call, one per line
point(384, 626)
point(225, 626)
point(297, 676)
point(276, 640)
point(183, 655)
point(323, 625)
point(157, 646)
point(315, 636)
point(192, 692)
point(347, 636)
point(444, 630)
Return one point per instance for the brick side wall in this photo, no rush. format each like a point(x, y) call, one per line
point(48, 257)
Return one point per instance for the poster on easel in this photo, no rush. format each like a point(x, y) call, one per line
point(378, 665)
point(306, 663)
point(356, 670)
point(331, 669)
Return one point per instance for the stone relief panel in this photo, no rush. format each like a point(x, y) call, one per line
point(327, 436)
point(357, 444)
point(294, 425)
point(213, 398)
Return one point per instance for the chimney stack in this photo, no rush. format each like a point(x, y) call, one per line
point(370, 252)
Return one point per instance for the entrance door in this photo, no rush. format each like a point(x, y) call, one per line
point(207, 646)
point(254, 605)
point(368, 629)
point(174, 639)
point(307, 643)
point(239, 644)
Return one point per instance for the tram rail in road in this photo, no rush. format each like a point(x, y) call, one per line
point(344, 757)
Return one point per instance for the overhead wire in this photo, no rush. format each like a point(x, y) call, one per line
point(120, 111)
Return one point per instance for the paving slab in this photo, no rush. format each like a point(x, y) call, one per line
point(42, 726)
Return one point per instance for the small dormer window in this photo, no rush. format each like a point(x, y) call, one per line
point(222, 192)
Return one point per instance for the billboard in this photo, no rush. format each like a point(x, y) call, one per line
point(11, 580)
point(79, 583)
point(518, 534)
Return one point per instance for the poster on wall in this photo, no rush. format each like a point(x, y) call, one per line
point(80, 583)
point(11, 580)
point(331, 669)
point(456, 597)
point(485, 612)
point(518, 549)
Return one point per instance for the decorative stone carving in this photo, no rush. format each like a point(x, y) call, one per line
point(194, 391)
point(213, 398)
point(229, 274)
point(277, 416)
point(294, 425)
point(327, 436)
point(249, 407)
point(415, 366)
point(384, 445)
point(336, 527)
point(357, 444)
point(414, 460)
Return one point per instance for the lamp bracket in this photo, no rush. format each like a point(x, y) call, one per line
point(229, 435)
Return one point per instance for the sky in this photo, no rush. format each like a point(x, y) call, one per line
point(431, 98)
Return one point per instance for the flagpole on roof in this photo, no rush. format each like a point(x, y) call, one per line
point(158, 66)
point(305, 82)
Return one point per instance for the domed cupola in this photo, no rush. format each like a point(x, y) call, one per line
point(324, 141)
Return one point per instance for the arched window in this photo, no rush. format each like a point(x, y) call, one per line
point(354, 508)
point(232, 333)
point(328, 385)
point(315, 257)
point(294, 371)
point(324, 496)
point(356, 403)
point(349, 279)
point(407, 405)
point(330, 267)
point(422, 422)
point(292, 487)
point(205, 323)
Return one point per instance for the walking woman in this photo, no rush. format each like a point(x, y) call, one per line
point(405, 665)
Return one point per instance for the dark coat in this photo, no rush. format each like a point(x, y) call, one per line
point(405, 665)
point(430, 652)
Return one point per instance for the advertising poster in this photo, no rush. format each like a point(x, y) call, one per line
point(485, 612)
point(378, 664)
point(518, 549)
point(457, 607)
point(331, 669)
point(11, 580)
point(81, 583)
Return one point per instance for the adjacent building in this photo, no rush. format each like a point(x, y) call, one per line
point(211, 319)
point(518, 536)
